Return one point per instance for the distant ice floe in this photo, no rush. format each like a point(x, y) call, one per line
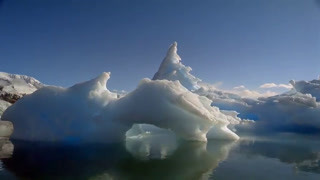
point(308, 87)
point(295, 111)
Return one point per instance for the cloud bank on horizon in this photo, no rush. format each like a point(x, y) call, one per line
point(174, 99)
point(273, 85)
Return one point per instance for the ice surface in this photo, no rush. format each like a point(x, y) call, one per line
point(308, 87)
point(167, 104)
point(6, 129)
point(292, 111)
point(56, 113)
point(90, 112)
point(289, 112)
point(3, 106)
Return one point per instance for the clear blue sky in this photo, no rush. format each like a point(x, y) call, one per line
point(249, 42)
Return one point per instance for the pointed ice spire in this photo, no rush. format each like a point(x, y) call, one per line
point(172, 69)
point(172, 55)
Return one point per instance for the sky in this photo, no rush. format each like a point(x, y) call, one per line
point(226, 42)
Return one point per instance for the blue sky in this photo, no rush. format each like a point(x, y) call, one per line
point(248, 42)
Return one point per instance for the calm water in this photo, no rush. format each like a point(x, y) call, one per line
point(161, 157)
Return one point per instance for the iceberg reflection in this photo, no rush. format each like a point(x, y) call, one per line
point(164, 159)
point(161, 156)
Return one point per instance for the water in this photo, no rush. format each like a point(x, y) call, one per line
point(159, 157)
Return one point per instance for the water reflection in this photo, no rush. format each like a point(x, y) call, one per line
point(191, 160)
point(151, 157)
point(147, 146)
point(303, 154)
point(186, 160)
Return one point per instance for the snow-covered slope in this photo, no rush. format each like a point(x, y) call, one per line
point(13, 87)
point(18, 84)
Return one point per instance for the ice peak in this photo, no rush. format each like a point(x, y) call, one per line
point(172, 55)
point(173, 47)
point(104, 77)
point(172, 69)
point(100, 82)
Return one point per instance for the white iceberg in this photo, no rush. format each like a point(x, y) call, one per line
point(89, 112)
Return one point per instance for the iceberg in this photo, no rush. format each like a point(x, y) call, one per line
point(174, 102)
point(89, 112)
point(167, 104)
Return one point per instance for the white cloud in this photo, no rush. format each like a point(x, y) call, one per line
point(273, 85)
point(242, 91)
point(253, 94)
point(240, 87)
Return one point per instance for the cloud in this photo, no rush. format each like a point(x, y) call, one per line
point(273, 85)
point(240, 87)
point(253, 94)
point(242, 91)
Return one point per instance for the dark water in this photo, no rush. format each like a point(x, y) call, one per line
point(164, 158)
